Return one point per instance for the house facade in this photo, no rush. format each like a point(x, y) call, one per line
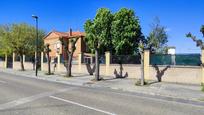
point(53, 39)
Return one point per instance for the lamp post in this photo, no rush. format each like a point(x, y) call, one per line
point(36, 43)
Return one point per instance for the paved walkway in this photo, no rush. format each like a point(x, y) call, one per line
point(173, 90)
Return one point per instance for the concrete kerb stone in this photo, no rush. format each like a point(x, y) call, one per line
point(51, 78)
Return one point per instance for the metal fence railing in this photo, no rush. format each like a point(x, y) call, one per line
point(177, 59)
point(125, 59)
point(188, 59)
point(90, 59)
point(160, 59)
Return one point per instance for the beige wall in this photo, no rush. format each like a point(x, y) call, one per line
point(176, 74)
point(1, 64)
point(27, 65)
point(190, 75)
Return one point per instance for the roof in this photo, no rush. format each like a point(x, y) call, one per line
point(67, 34)
point(171, 47)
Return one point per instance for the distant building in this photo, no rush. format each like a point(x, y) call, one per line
point(172, 50)
point(53, 39)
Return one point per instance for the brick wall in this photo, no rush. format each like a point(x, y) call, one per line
point(52, 39)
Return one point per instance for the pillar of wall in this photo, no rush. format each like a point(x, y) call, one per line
point(42, 61)
point(23, 58)
point(80, 57)
point(146, 64)
point(202, 66)
point(58, 62)
point(108, 58)
point(5, 61)
point(14, 56)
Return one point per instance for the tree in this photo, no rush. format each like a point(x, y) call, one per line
point(202, 30)
point(158, 37)
point(47, 51)
point(98, 34)
point(5, 40)
point(69, 51)
point(141, 51)
point(20, 38)
point(199, 42)
point(126, 32)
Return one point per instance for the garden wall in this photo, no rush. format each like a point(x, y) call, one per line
point(176, 74)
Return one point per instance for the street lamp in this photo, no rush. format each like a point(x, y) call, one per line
point(36, 43)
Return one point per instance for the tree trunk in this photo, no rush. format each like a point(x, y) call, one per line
point(69, 65)
point(48, 60)
point(142, 69)
point(97, 65)
point(21, 60)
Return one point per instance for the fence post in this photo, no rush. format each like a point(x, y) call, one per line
point(14, 56)
point(5, 61)
point(42, 61)
point(58, 62)
point(80, 57)
point(24, 59)
point(108, 58)
point(146, 64)
point(202, 66)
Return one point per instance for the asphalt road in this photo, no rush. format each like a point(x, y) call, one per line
point(27, 96)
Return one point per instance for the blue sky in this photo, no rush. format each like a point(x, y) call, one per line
point(179, 16)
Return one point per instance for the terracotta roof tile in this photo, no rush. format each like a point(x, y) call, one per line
point(67, 34)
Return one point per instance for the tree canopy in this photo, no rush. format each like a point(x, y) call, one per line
point(23, 38)
point(158, 37)
point(199, 42)
point(98, 29)
point(20, 39)
point(126, 32)
point(5, 40)
point(202, 30)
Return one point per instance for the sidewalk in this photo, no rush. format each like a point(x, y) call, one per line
point(173, 90)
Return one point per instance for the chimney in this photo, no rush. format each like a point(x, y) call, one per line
point(70, 32)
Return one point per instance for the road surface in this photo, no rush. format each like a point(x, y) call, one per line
point(28, 96)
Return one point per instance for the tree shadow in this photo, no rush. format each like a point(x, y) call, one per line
point(120, 73)
point(160, 73)
point(107, 78)
point(90, 69)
